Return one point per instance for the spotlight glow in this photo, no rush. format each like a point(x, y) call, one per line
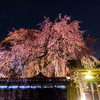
point(68, 77)
point(88, 77)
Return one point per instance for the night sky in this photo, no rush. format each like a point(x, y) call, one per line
point(28, 13)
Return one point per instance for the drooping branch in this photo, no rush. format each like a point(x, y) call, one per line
point(47, 49)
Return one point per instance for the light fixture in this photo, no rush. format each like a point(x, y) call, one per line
point(88, 77)
point(98, 85)
point(68, 77)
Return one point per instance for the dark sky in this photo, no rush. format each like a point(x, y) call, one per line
point(28, 13)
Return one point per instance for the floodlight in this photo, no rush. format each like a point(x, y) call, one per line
point(88, 77)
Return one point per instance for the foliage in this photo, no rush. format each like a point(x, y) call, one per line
point(48, 49)
point(79, 79)
point(89, 62)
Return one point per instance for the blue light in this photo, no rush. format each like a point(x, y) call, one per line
point(12, 87)
point(3, 87)
point(47, 86)
point(24, 87)
point(60, 86)
point(34, 87)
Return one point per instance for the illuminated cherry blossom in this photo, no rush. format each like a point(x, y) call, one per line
point(28, 51)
